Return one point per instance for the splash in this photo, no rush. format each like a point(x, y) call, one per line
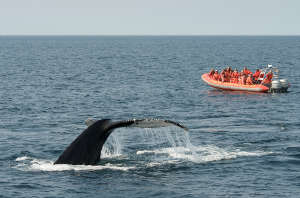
point(173, 146)
point(112, 147)
point(157, 147)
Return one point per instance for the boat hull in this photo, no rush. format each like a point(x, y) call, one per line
point(233, 86)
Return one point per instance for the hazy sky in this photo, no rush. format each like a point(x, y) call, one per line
point(150, 17)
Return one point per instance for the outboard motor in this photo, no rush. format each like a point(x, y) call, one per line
point(275, 86)
point(284, 83)
point(279, 86)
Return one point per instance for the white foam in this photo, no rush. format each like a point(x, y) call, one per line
point(47, 165)
point(202, 154)
point(22, 158)
point(159, 163)
point(144, 152)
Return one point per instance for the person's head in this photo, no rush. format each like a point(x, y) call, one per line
point(257, 70)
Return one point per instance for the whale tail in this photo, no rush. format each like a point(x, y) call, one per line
point(153, 123)
point(86, 148)
point(141, 123)
point(90, 121)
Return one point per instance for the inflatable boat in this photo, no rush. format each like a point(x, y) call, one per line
point(233, 86)
point(277, 85)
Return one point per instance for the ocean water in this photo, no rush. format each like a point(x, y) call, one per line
point(238, 145)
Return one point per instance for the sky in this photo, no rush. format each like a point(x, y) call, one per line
point(149, 17)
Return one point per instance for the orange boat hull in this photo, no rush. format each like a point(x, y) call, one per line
point(233, 86)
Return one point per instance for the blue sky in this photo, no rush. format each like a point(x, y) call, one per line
point(151, 17)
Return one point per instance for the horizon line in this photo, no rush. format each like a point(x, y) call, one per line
point(179, 35)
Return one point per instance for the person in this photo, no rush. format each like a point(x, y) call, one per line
point(222, 75)
point(242, 79)
point(211, 73)
point(228, 73)
point(261, 76)
point(235, 76)
point(256, 75)
point(268, 78)
point(241, 73)
point(269, 75)
point(246, 71)
point(216, 76)
point(249, 80)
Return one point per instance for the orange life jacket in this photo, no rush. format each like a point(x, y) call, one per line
point(249, 81)
point(247, 71)
point(256, 75)
point(234, 77)
point(266, 81)
point(269, 75)
point(268, 78)
point(217, 76)
point(235, 80)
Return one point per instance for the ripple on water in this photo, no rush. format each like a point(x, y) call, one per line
point(240, 145)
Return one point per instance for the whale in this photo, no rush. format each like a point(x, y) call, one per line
point(86, 148)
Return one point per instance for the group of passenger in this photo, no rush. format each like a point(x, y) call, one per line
point(245, 77)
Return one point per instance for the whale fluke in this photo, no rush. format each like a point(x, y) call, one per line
point(155, 123)
point(86, 148)
point(90, 121)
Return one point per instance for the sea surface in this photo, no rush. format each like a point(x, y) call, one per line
point(238, 145)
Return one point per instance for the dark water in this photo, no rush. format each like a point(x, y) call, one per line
point(239, 144)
